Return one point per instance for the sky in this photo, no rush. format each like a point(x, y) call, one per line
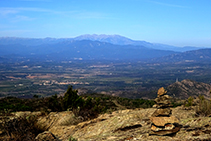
point(172, 22)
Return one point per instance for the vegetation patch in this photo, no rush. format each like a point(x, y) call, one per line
point(23, 128)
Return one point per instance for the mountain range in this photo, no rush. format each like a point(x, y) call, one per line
point(97, 47)
point(120, 40)
point(113, 39)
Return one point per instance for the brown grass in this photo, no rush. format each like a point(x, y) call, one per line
point(204, 107)
point(22, 128)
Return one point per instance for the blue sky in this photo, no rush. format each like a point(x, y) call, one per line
point(173, 22)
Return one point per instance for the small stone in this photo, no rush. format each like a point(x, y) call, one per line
point(162, 121)
point(166, 102)
point(165, 96)
point(167, 132)
point(169, 126)
point(160, 128)
point(162, 98)
point(161, 91)
point(162, 105)
point(162, 112)
point(154, 128)
point(155, 106)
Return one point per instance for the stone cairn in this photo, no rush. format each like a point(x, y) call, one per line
point(163, 123)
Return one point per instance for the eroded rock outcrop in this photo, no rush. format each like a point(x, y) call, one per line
point(163, 123)
point(124, 125)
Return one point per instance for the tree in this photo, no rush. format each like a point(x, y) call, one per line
point(71, 99)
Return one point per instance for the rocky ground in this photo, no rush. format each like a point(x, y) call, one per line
point(122, 125)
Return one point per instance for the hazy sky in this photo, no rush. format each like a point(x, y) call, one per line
point(173, 22)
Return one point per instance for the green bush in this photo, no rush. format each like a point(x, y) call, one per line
point(204, 107)
point(189, 102)
point(72, 139)
point(71, 99)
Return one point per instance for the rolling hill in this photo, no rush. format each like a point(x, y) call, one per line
point(189, 56)
point(187, 88)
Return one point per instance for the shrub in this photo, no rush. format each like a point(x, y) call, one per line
point(72, 139)
point(204, 107)
point(54, 104)
point(22, 128)
point(71, 99)
point(189, 102)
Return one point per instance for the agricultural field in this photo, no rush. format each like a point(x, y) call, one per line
point(118, 78)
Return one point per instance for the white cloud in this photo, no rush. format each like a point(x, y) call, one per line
point(6, 11)
point(4, 33)
point(168, 5)
point(75, 14)
point(10, 10)
point(22, 18)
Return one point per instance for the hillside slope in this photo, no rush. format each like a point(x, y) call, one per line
point(120, 126)
point(189, 56)
point(187, 88)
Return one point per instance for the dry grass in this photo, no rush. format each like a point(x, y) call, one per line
point(23, 128)
point(204, 107)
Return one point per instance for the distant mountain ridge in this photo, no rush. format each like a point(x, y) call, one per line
point(83, 49)
point(98, 47)
point(120, 40)
point(113, 39)
point(31, 41)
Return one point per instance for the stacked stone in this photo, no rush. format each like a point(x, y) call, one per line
point(163, 123)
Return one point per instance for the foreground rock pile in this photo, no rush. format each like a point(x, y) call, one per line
point(163, 123)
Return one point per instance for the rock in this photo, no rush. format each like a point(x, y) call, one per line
point(166, 127)
point(162, 98)
point(169, 126)
point(162, 121)
point(162, 105)
point(162, 112)
point(22, 113)
point(164, 102)
point(46, 136)
point(161, 91)
point(119, 124)
point(134, 124)
point(166, 132)
point(155, 128)
point(55, 119)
